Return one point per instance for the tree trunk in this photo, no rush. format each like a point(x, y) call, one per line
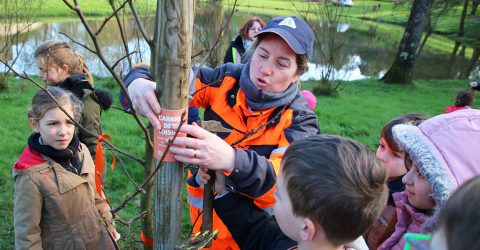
point(402, 68)
point(422, 45)
point(461, 27)
point(171, 60)
point(146, 201)
point(473, 62)
point(474, 7)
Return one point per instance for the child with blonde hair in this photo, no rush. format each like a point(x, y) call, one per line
point(62, 66)
point(56, 205)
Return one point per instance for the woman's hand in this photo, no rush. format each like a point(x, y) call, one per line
point(205, 149)
point(144, 100)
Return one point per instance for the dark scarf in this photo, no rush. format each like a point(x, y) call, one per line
point(77, 84)
point(260, 100)
point(68, 158)
point(395, 185)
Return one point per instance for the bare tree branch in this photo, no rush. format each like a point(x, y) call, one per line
point(107, 65)
point(114, 14)
point(120, 161)
point(78, 43)
point(132, 220)
point(148, 40)
point(152, 174)
point(123, 57)
point(110, 146)
point(217, 38)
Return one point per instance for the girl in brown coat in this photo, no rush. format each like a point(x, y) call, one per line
point(56, 205)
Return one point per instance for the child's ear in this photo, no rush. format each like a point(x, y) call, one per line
point(65, 68)
point(308, 231)
point(34, 125)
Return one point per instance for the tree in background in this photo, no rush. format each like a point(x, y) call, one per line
point(474, 6)
point(401, 70)
point(16, 17)
point(331, 53)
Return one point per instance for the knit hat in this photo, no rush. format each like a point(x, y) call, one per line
point(296, 32)
point(445, 150)
point(311, 99)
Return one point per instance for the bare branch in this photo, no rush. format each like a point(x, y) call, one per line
point(114, 13)
point(217, 38)
point(140, 25)
point(107, 65)
point(132, 220)
point(198, 53)
point(120, 161)
point(110, 146)
point(80, 44)
point(123, 57)
point(152, 174)
point(122, 33)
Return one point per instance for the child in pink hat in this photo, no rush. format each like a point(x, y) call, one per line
point(311, 99)
point(441, 154)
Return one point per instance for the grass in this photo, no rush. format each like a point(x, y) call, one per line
point(359, 112)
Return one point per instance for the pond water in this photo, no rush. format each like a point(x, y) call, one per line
point(360, 54)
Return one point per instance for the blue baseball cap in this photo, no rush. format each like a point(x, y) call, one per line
point(296, 32)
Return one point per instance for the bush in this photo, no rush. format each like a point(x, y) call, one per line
point(326, 88)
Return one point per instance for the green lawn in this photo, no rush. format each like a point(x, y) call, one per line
point(359, 113)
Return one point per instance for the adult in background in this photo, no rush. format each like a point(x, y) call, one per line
point(262, 96)
point(236, 50)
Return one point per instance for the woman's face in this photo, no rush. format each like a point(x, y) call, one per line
point(393, 161)
point(256, 27)
point(273, 66)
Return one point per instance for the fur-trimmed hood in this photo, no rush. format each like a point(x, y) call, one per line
point(445, 149)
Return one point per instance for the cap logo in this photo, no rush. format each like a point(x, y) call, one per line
point(288, 22)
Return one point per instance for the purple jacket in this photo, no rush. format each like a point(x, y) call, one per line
point(410, 220)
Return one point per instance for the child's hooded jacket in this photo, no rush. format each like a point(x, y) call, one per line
point(445, 149)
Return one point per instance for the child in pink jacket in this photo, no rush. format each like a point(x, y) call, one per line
point(441, 154)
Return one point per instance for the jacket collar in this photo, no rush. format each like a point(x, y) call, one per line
point(66, 180)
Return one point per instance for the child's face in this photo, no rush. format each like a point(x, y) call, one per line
point(393, 161)
point(287, 221)
point(52, 74)
point(418, 189)
point(55, 128)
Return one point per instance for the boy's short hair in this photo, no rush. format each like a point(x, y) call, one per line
point(336, 182)
point(459, 217)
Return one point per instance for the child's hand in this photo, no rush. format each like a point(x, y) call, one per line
point(115, 235)
point(203, 175)
point(220, 182)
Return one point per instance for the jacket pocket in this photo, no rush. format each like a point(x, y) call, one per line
point(57, 236)
point(89, 224)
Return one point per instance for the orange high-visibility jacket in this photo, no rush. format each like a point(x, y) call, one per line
point(259, 155)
